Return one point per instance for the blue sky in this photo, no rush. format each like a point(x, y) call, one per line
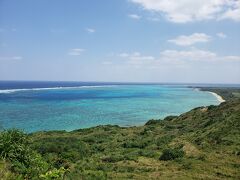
point(120, 40)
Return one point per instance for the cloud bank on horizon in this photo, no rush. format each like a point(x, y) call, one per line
point(132, 40)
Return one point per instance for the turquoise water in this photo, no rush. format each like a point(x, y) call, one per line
point(86, 106)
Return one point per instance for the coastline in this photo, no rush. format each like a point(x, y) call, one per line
point(219, 98)
point(196, 139)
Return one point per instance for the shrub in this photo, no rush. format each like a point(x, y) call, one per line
point(13, 144)
point(137, 143)
point(171, 154)
point(14, 148)
point(68, 148)
point(54, 174)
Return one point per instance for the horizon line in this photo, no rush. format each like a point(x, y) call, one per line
point(122, 82)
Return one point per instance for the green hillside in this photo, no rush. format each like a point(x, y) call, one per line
point(203, 143)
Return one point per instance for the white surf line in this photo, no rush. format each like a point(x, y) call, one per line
point(5, 91)
point(219, 98)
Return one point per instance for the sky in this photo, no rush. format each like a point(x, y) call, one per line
point(177, 41)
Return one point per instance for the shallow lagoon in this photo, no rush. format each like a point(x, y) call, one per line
point(69, 108)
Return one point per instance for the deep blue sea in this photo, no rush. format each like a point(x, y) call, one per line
point(36, 106)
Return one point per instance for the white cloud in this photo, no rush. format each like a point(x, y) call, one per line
point(90, 30)
point(232, 12)
point(124, 55)
point(191, 39)
point(195, 55)
point(182, 11)
point(231, 58)
point(11, 58)
point(172, 58)
point(134, 16)
point(221, 35)
point(76, 52)
point(136, 56)
point(190, 55)
point(135, 59)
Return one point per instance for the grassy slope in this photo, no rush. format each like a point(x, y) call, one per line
point(210, 138)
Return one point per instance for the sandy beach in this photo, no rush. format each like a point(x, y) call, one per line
point(219, 98)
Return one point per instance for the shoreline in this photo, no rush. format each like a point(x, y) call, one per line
point(219, 98)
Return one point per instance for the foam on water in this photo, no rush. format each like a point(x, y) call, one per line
point(6, 91)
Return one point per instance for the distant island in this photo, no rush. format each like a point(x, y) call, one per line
point(203, 143)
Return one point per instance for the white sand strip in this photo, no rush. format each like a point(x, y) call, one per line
point(219, 98)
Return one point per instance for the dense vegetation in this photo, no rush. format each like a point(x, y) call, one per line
point(226, 92)
point(203, 143)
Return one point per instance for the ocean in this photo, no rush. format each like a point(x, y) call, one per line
point(38, 106)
